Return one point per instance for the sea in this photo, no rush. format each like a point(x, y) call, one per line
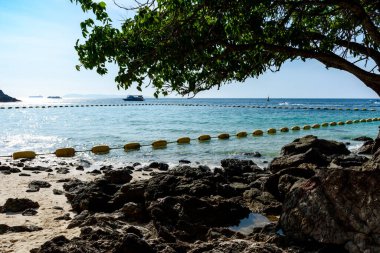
point(83, 123)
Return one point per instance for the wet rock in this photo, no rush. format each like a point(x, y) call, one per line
point(80, 167)
point(183, 161)
point(39, 184)
point(363, 138)
point(339, 206)
point(163, 167)
point(106, 168)
point(4, 168)
point(366, 148)
point(29, 212)
point(153, 165)
point(18, 205)
point(118, 176)
point(351, 160)
point(94, 172)
point(136, 164)
point(252, 154)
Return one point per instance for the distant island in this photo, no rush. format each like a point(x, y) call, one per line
point(5, 98)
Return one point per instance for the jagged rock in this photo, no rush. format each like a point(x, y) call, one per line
point(184, 161)
point(4, 98)
point(29, 212)
point(366, 148)
point(338, 206)
point(18, 205)
point(57, 192)
point(39, 184)
point(363, 138)
point(63, 217)
point(63, 170)
point(118, 176)
point(351, 160)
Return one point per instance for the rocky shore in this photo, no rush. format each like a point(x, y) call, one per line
point(4, 98)
point(316, 197)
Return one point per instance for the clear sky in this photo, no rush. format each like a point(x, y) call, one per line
point(38, 58)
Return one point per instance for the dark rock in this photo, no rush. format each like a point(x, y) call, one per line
point(24, 175)
point(4, 98)
point(63, 170)
point(64, 217)
point(349, 161)
point(57, 192)
point(107, 168)
point(325, 147)
point(339, 206)
point(57, 208)
point(153, 165)
point(4, 168)
point(363, 138)
point(18, 229)
point(80, 167)
point(39, 184)
point(136, 164)
point(33, 189)
point(184, 161)
point(6, 172)
point(163, 166)
point(18, 205)
point(29, 212)
point(63, 180)
point(94, 172)
point(118, 176)
point(366, 148)
point(20, 165)
point(35, 168)
point(253, 154)
point(14, 170)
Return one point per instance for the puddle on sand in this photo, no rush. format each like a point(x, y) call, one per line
point(254, 220)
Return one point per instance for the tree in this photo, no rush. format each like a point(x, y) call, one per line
point(188, 46)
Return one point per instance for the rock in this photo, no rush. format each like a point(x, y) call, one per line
point(35, 168)
point(57, 192)
point(29, 212)
point(366, 148)
point(153, 165)
point(18, 205)
point(39, 184)
point(18, 229)
point(24, 175)
point(34, 189)
point(363, 138)
point(253, 154)
point(339, 206)
point(80, 167)
point(94, 172)
point(184, 161)
point(118, 176)
point(14, 170)
point(349, 161)
point(325, 147)
point(63, 170)
point(4, 168)
point(163, 166)
point(5, 98)
point(64, 217)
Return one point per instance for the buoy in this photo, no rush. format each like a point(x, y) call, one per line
point(333, 123)
point(363, 120)
point(296, 128)
point(306, 127)
point(316, 126)
point(159, 144)
point(349, 122)
point(284, 129)
point(204, 137)
point(356, 121)
point(348, 109)
point(101, 149)
point(257, 132)
point(223, 136)
point(271, 131)
point(325, 124)
point(356, 109)
point(372, 110)
point(65, 152)
point(374, 119)
point(369, 120)
point(183, 140)
point(364, 109)
point(340, 123)
point(24, 154)
point(241, 134)
point(132, 146)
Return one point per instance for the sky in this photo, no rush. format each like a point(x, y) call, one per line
point(38, 58)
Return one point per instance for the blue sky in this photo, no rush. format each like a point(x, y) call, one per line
point(38, 58)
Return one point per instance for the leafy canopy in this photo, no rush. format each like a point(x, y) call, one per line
point(187, 46)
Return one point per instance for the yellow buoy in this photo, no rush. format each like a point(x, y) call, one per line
point(205, 137)
point(356, 121)
point(316, 126)
point(284, 129)
point(241, 134)
point(374, 119)
point(349, 122)
point(340, 123)
point(65, 152)
point(364, 109)
point(306, 127)
point(183, 140)
point(257, 132)
point(101, 149)
point(271, 131)
point(296, 128)
point(369, 120)
point(159, 144)
point(333, 123)
point(24, 154)
point(325, 124)
point(363, 120)
point(132, 146)
point(223, 136)
point(356, 109)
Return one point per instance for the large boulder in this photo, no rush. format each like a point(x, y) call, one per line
point(18, 205)
point(338, 206)
point(5, 98)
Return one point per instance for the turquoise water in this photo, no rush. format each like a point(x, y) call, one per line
point(46, 129)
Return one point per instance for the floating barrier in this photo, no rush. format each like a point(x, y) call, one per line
point(65, 152)
point(103, 149)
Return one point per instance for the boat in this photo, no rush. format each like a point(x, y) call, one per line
point(38, 96)
point(134, 98)
point(54, 97)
